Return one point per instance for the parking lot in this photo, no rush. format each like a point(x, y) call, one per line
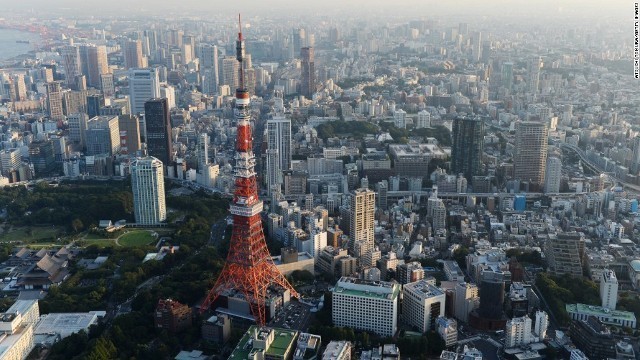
point(293, 316)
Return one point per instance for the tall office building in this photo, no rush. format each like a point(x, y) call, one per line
point(208, 55)
point(507, 75)
point(279, 138)
point(71, 63)
point(361, 226)
point(553, 175)
point(42, 156)
point(535, 65)
point(147, 182)
point(609, 289)
point(530, 158)
point(466, 300)
point(95, 64)
point(132, 53)
point(299, 40)
point(158, 126)
point(565, 253)
point(439, 215)
point(518, 332)
point(54, 100)
point(144, 85)
point(77, 127)
point(424, 120)
point(468, 146)
point(230, 72)
point(203, 152)
point(635, 160)
point(129, 134)
point(366, 305)
point(476, 46)
point(103, 135)
point(422, 304)
point(308, 83)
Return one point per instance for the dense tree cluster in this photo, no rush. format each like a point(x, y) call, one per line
point(76, 206)
point(561, 290)
point(355, 129)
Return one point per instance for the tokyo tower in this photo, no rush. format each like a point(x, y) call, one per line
point(248, 268)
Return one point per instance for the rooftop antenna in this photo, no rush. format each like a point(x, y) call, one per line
point(240, 52)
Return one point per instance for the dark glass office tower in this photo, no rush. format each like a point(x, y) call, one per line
point(468, 146)
point(158, 124)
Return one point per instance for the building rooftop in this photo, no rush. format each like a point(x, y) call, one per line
point(366, 288)
point(424, 288)
point(65, 324)
point(282, 341)
point(598, 311)
point(635, 265)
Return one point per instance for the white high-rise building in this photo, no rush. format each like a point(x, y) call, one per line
point(553, 175)
point(466, 300)
point(144, 85)
point(279, 138)
point(366, 305)
point(424, 120)
point(517, 332)
point(609, 289)
point(278, 149)
point(422, 304)
point(541, 324)
point(147, 183)
point(203, 152)
point(535, 65)
point(361, 227)
point(439, 215)
point(400, 119)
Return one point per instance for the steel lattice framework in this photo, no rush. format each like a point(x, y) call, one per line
point(248, 268)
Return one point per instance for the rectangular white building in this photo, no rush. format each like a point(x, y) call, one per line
point(518, 332)
point(147, 183)
point(366, 305)
point(422, 304)
point(609, 289)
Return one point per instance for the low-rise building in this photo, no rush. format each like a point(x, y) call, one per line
point(337, 350)
point(172, 315)
point(266, 343)
point(448, 330)
point(607, 316)
point(16, 329)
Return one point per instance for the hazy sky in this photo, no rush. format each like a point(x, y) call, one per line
point(355, 8)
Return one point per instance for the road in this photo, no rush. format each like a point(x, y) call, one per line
point(218, 231)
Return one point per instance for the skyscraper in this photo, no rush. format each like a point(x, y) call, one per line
point(535, 65)
point(635, 160)
point(147, 182)
point(203, 151)
point(308, 83)
point(299, 40)
point(96, 64)
point(158, 125)
point(209, 71)
point(132, 54)
point(609, 289)
point(476, 46)
point(361, 226)
point(129, 134)
point(507, 75)
point(103, 135)
point(553, 175)
point(144, 85)
point(54, 100)
point(71, 63)
point(279, 138)
point(530, 158)
point(230, 75)
point(468, 146)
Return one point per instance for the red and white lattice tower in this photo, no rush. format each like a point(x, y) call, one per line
point(248, 268)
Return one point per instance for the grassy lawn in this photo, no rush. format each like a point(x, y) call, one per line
point(101, 243)
point(30, 234)
point(136, 238)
